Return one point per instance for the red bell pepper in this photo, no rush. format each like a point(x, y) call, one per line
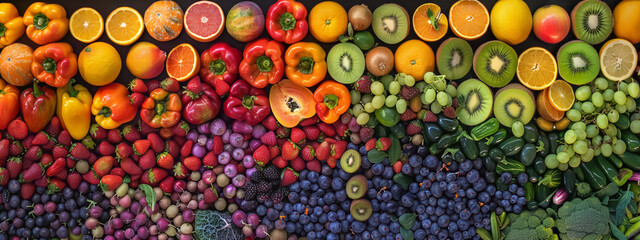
point(38, 104)
point(219, 66)
point(287, 21)
point(201, 103)
point(263, 63)
point(9, 103)
point(161, 109)
point(247, 103)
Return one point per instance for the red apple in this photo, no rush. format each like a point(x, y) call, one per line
point(551, 23)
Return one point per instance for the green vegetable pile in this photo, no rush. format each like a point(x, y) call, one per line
point(530, 225)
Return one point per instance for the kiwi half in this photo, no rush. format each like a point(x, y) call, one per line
point(361, 209)
point(345, 63)
point(475, 101)
point(495, 63)
point(357, 186)
point(578, 62)
point(514, 103)
point(455, 58)
point(350, 161)
point(592, 21)
point(390, 23)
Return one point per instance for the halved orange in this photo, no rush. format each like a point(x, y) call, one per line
point(618, 59)
point(124, 26)
point(469, 19)
point(561, 95)
point(546, 109)
point(423, 26)
point(537, 68)
point(183, 62)
point(86, 25)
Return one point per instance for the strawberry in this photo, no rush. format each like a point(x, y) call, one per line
point(42, 182)
point(4, 150)
point(274, 151)
point(47, 159)
point(323, 151)
point(383, 144)
point(181, 129)
point(79, 151)
point(148, 160)
point(157, 144)
point(210, 160)
point(27, 190)
point(145, 129)
point(261, 155)
point(73, 180)
point(409, 92)
point(110, 182)
point(397, 167)
point(92, 158)
point(180, 171)
point(64, 138)
point(192, 163)
point(170, 84)
point(123, 150)
point(270, 123)
point(370, 144)
point(153, 85)
point(54, 127)
point(289, 151)
point(414, 128)
point(428, 116)
point(59, 151)
point(131, 133)
point(288, 177)
point(72, 163)
point(194, 85)
point(281, 141)
point(309, 121)
point(172, 148)
point(137, 86)
point(408, 115)
point(218, 145)
point(308, 153)
point(154, 176)
point(61, 175)
point(327, 129)
point(297, 164)
point(279, 162)
point(40, 139)
point(164, 160)
point(113, 136)
point(298, 136)
point(130, 167)
point(26, 142)
point(210, 194)
point(4, 176)
point(187, 146)
point(91, 177)
point(118, 171)
point(282, 132)
point(103, 165)
point(33, 153)
point(137, 99)
point(312, 132)
point(32, 173)
point(449, 112)
point(342, 130)
point(269, 138)
point(338, 148)
point(106, 149)
point(14, 165)
point(314, 165)
point(167, 185)
point(17, 129)
point(332, 162)
point(141, 146)
point(59, 165)
point(97, 132)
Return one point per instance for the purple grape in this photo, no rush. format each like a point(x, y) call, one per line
point(119, 235)
point(239, 218)
point(258, 131)
point(254, 144)
point(210, 144)
point(228, 147)
point(253, 219)
point(225, 137)
point(95, 212)
point(129, 233)
point(261, 231)
point(163, 224)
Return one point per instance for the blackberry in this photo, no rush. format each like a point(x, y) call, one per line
point(257, 176)
point(5, 195)
point(264, 187)
point(250, 191)
point(279, 194)
point(271, 173)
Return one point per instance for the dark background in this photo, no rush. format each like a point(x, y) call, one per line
point(106, 6)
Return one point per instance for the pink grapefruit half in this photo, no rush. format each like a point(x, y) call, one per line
point(204, 21)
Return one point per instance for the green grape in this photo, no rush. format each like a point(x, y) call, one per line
point(570, 151)
point(409, 80)
point(378, 102)
point(586, 157)
point(576, 105)
point(592, 130)
point(570, 136)
point(583, 93)
point(391, 101)
point(635, 126)
point(580, 147)
point(611, 85)
point(401, 106)
point(607, 95)
point(606, 149)
point(429, 77)
point(611, 130)
point(563, 166)
point(581, 134)
point(443, 99)
point(436, 107)
point(597, 152)
point(613, 116)
point(621, 108)
point(634, 89)
point(357, 109)
point(602, 121)
point(377, 88)
point(517, 129)
point(624, 87)
point(421, 86)
point(551, 161)
point(369, 108)
point(430, 95)
point(394, 87)
point(362, 119)
point(578, 126)
point(400, 78)
point(619, 97)
point(440, 84)
point(596, 99)
point(574, 161)
point(563, 157)
point(449, 99)
point(631, 104)
point(588, 107)
point(451, 90)
point(574, 115)
point(562, 148)
point(366, 98)
point(596, 141)
point(607, 139)
point(619, 147)
point(386, 81)
point(601, 83)
point(355, 97)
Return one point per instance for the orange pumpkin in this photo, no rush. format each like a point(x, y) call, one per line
point(15, 64)
point(291, 103)
point(163, 20)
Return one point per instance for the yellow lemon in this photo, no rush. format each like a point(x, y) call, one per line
point(99, 63)
point(511, 21)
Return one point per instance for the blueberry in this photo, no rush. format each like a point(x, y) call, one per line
point(522, 179)
point(388, 172)
point(439, 211)
point(470, 193)
point(324, 182)
point(424, 172)
point(377, 169)
point(517, 209)
point(385, 218)
point(506, 177)
point(313, 176)
point(435, 229)
point(453, 187)
point(520, 192)
point(484, 197)
point(383, 229)
point(406, 169)
point(513, 188)
point(473, 176)
point(431, 162)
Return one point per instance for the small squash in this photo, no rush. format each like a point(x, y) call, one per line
point(15, 64)
point(163, 20)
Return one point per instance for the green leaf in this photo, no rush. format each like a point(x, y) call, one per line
point(616, 232)
point(621, 208)
point(433, 18)
point(349, 30)
point(376, 156)
point(395, 151)
point(149, 194)
point(406, 234)
point(406, 220)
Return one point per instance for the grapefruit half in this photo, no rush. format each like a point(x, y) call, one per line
point(204, 21)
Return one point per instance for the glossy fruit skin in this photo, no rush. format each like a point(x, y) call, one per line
point(511, 21)
point(415, 58)
point(551, 23)
point(327, 21)
point(245, 21)
point(99, 63)
point(626, 20)
point(145, 60)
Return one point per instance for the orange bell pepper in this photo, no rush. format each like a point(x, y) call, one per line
point(9, 103)
point(306, 63)
point(332, 100)
point(46, 23)
point(11, 26)
point(112, 106)
point(54, 64)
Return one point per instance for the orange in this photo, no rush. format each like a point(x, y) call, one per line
point(163, 20)
point(204, 21)
point(327, 21)
point(124, 26)
point(561, 95)
point(626, 20)
point(423, 26)
point(183, 62)
point(469, 19)
point(415, 58)
point(618, 59)
point(537, 68)
point(86, 25)
point(546, 109)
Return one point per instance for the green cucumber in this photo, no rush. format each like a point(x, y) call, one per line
point(529, 192)
point(551, 178)
point(543, 140)
point(511, 146)
point(632, 141)
point(623, 122)
point(498, 137)
point(631, 160)
point(469, 147)
point(541, 193)
point(489, 164)
point(448, 124)
point(553, 142)
point(483, 148)
point(458, 156)
point(569, 180)
point(434, 132)
point(606, 167)
point(397, 130)
point(615, 160)
point(539, 165)
point(593, 175)
point(380, 131)
point(445, 141)
point(528, 154)
point(434, 150)
point(530, 133)
point(511, 166)
point(532, 174)
point(496, 154)
point(485, 129)
point(579, 174)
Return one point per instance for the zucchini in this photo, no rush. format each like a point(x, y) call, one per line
point(542, 192)
point(469, 147)
point(530, 133)
point(569, 181)
point(579, 174)
point(434, 150)
point(434, 132)
point(539, 165)
point(397, 130)
point(606, 167)
point(532, 174)
point(593, 175)
point(631, 160)
point(496, 154)
point(529, 192)
point(448, 124)
point(623, 122)
point(485, 129)
point(543, 140)
point(445, 141)
point(489, 164)
point(458, 156)
point(632, 141)
point(553, 142)
point(551, 179)
point(498, 137)
point(483, 148)
point(511, 146)
point(615, 160)
point(528, 154)
point(511, 166)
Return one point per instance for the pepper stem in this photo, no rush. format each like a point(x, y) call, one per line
point(331, 101)
point(306, 65)
point(3, 29)
point(40, 21)
point(72, 91)
point(36, 91)
point(105, 111)
point(247, 101)
point(287, 21)
point(217, 67)
point(264, 63)
point(160, 109)
point(49, 65)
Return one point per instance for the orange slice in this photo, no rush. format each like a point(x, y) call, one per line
point(423, 26)
point(183, 62)
point(537, 68)
point(124, 26)
point(618, 59)
point(204, 21)
point(86, 25)
point(561, 95)
point(469, 19)
point(546, 109)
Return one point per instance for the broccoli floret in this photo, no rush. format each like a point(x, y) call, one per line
point(529, 225)
point(549, 222)
point(583, 219)
point(583, 189)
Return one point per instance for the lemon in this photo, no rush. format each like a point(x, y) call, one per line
point(99, 64)
point(511, 21)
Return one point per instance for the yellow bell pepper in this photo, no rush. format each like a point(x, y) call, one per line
point(74, 109)
point(11, 26)
point(46, 23)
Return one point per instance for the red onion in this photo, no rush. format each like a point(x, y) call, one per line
point(229, 191)
point(202, 140)
point(210, 144)
point(560, 196)
point(254, 144)
point(224, 158)
point(225, 137)
point(198, 151)
point(237, 154)
point(230, 170)
point(204, 128)
point(239, 218)
point(192, 135)
point(236, 139)
point(241, 127)
point(208, 177)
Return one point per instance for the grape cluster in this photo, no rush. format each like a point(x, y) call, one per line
point(437, 92)
point(388, 91)
point(596, 125)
